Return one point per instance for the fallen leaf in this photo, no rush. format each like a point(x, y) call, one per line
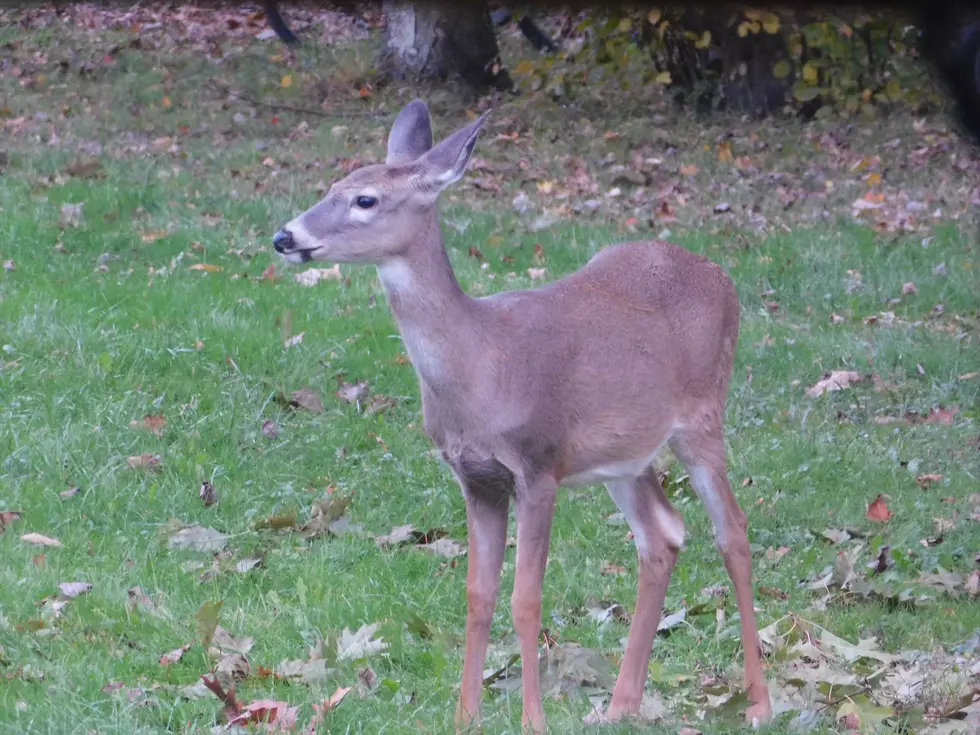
point(444, 547)
point(69, 493)
point(668, 622)
point(71, 215)
point(909, 288)
point(313, 276)
point(941, 415)
point(83, 168)
point(248, 564)
point(267, 712)
point(294, 340)
point(7, 517)
point(352, 393)
point(145, 461)
point(834, 381)
point(269, 274)
point(878, 511)
point(38, 539)
point(207, 267)
point(927, 480)
point(156, 424)
point(606, 569)
point(270, 430)
point(352, 646)
point(207, 620)
point(398, 535)
point(9, 266)
point(227, 642)
point(323, 708)
point(174, 656)
point(197, 538)
point(307, 399)
point(74, 589)
point(536, 274)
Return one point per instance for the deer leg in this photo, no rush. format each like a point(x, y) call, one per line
point(659, 533)
point(703, 454)
point(535, 512)
point(486, 520)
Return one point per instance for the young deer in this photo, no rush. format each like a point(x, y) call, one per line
point(578, 382)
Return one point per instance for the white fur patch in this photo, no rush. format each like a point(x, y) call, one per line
point(627, 469)
point(397, 278)
point(624, 495)
point(704, 486)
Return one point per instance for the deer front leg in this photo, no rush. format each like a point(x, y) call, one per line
point(486, 520)
point(535, 512)
point(659, 534)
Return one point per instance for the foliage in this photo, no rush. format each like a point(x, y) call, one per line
point(749, 60)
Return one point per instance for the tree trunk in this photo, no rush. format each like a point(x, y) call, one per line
point(431, 40)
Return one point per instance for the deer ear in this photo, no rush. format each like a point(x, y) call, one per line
point(411, 135)
point(445, 163)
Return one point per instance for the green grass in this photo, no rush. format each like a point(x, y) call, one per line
point(87, 350)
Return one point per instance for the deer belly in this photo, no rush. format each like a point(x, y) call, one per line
point(595, 474)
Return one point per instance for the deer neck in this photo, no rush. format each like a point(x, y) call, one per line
point(433, 313)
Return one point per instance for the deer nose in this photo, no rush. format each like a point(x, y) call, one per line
point(282, 241)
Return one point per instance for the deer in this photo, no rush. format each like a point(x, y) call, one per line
point(577, 382)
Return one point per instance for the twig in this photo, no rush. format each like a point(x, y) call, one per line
point(292, 108)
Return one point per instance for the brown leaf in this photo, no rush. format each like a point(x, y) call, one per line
point(323, 708)
point(313, 276)
point(83, 168)
point(150, 422)
point(909, 289)
point(398, 535)
point(614, 569)
point(207, 267)
point(927, 480)
point(172, 657)
point(306, 399)
point(270, 430)
point(269, 274)
point(145, 461)
point(941, 415)
point(834, 381)
point(878, 511)
point(71, 215)
point(294, 340)
point(38, 539)
point(69, 493)
point(352, 393)
point(268, 712)
point(7, 517)
point(9, 266)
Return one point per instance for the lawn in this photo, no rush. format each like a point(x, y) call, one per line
point(152, 341)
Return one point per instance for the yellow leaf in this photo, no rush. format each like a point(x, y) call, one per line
point(525, 67)
point(166, 102)
point(663, 77)
point(873, 179)
point(705, 40)
point(689, 169)
point(624, 25)
point(287, 81)
point(845, 31)
point(725, 152)
point(205, 267)
point(771, 23)
point(743, 29)
point(810, 74)
point(782, 69)
point(654, 16)
point(752, 14)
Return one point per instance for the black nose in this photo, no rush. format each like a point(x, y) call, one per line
point(282, 241)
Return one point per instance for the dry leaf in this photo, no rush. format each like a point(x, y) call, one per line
point(294, 340)
point(7, 517)
point(833, 381)
point(313, 276)
point(145, 461)
point(536, 274)
point(269, 274)
point(398, 535)
point(74, 589)
point(352, 392)
point(9, 266)
point(69, 493)
point(324, 707)
point(268, 712)
point(38, 539)
point(270, 430)
point(927, 480)
point(156, 424)
point(71, 215)
point(351, 646)
point(878, 511)
point(909, 288)
point(607, 569)
point(207, 267)
point(941, 415)
point(172, 657)
point(443, 547)
point(197, 538)
point(307, 399)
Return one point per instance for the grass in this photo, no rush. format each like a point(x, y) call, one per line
point(108, 332)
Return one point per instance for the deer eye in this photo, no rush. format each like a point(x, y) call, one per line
point(365, 202)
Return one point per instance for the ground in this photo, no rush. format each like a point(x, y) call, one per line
point(152, 341)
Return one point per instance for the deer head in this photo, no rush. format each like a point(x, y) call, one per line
point(377, 212)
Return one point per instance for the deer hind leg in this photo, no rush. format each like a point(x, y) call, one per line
point(659, 534)
point(701, 449)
